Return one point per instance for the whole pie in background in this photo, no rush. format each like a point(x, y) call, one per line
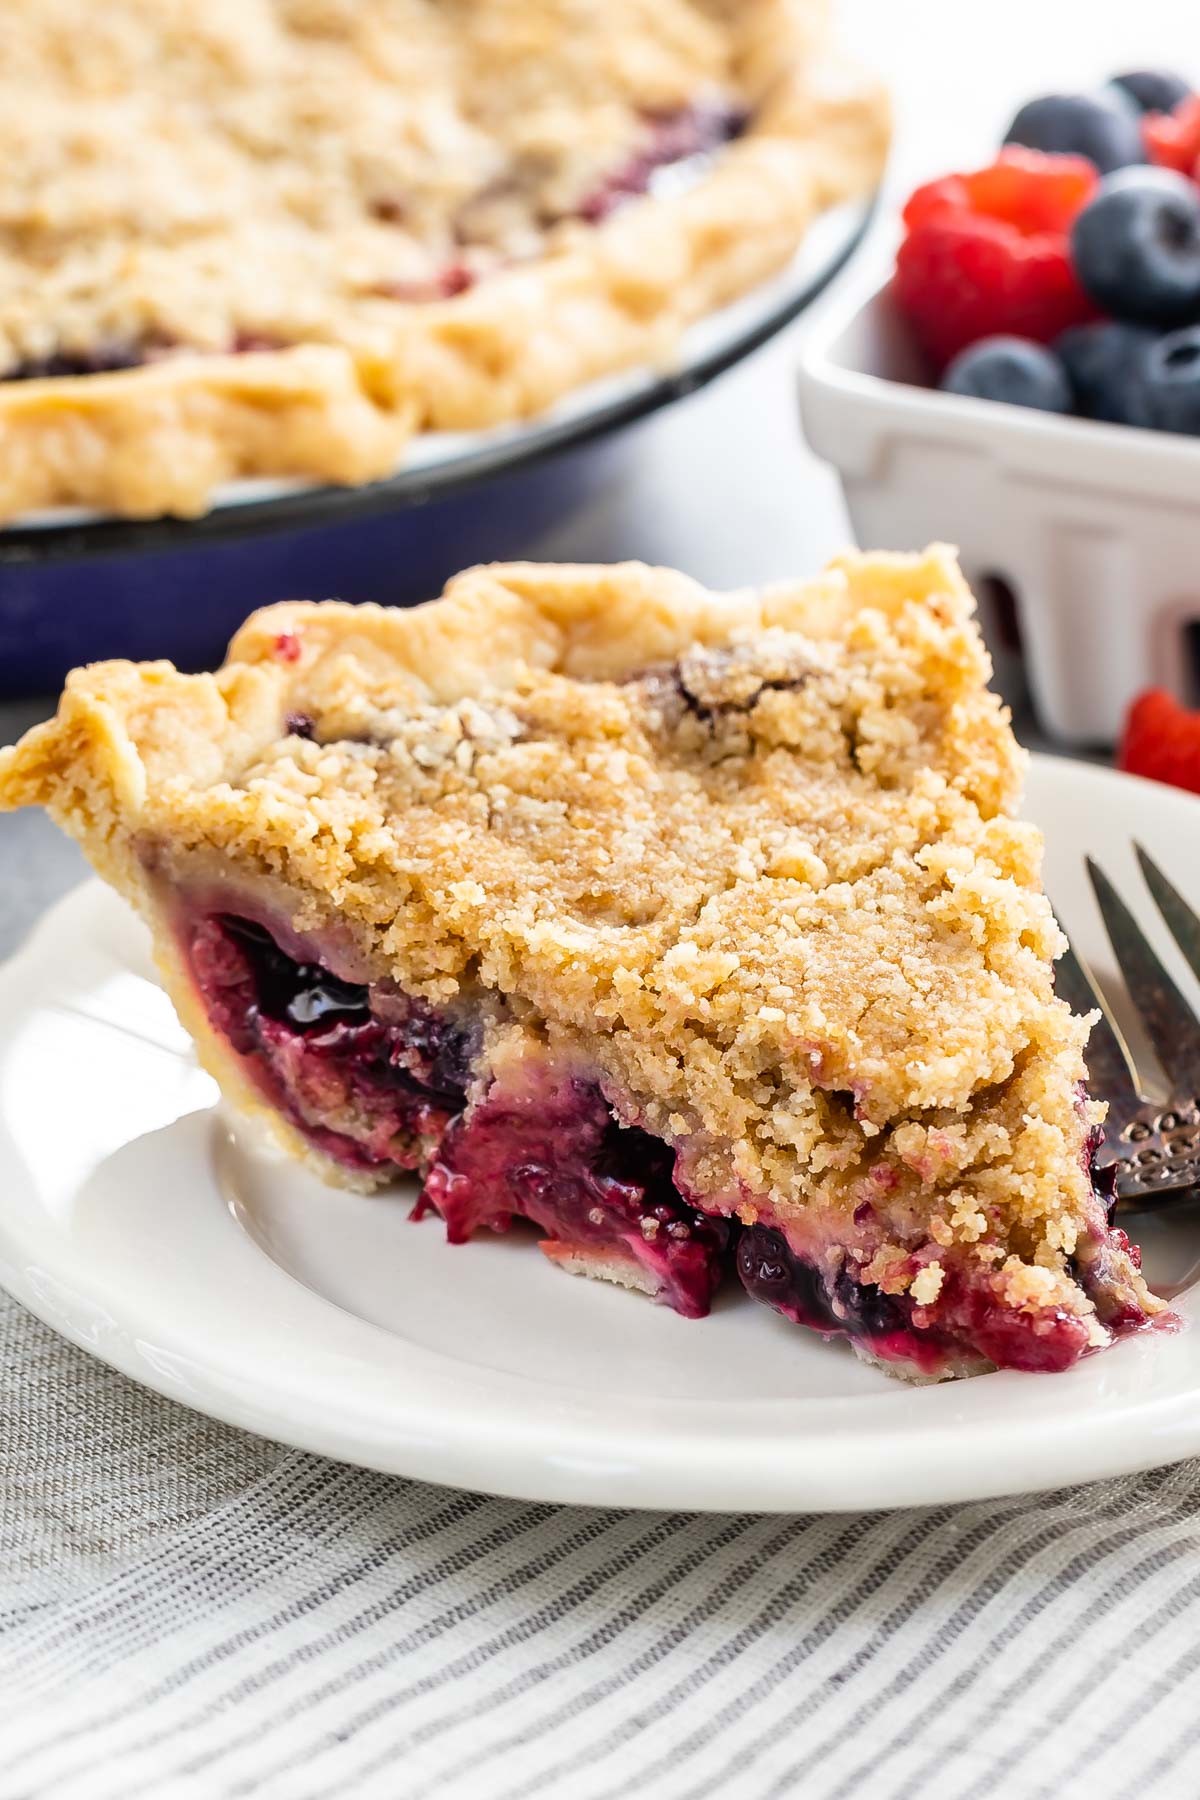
point(281, 236)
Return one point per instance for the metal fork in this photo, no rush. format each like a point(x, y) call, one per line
point(1152, 1147)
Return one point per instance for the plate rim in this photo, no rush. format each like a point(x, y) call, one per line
point(557, 1450)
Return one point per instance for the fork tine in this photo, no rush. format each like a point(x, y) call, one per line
point(1182, 922)
point(1171, 1025)
point(1112, 1075)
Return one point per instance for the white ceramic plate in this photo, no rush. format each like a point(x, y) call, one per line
point(140, 1225)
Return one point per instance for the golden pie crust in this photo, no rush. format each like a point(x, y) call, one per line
point(297, 180)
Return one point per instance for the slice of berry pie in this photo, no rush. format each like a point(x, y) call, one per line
point(696, 928)
point(279, 236)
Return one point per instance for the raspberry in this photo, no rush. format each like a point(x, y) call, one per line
point(1162, 741)
point(1033, 191)
point(1173, 139)
point(1120, 1240)
point(986, 253)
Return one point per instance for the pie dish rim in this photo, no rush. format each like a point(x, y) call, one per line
point(450, 464)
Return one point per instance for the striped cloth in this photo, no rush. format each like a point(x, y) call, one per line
point(187, 1611)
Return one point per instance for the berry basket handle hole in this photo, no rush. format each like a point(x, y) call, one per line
point(1191, 662)
point(999, 615)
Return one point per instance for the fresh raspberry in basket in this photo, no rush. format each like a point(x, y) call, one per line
point(987, 252)
point(1162, 741)
point(1173, 138)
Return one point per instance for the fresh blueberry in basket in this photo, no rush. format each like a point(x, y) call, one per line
point(1105, 364)
point(1101, 127)
point(1012, 369)
point(1136, 247)
point(1153, 90)
point(1171, 382)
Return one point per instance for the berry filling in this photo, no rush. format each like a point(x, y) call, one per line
point(674, 138)
point(368, 1090)
point(107, 359)
point(373, 1078)
point(551, 1151)
point(969, 1321)
point(836, 1304)
point(969, 1324)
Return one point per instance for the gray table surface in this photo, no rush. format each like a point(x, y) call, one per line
point(37, 863)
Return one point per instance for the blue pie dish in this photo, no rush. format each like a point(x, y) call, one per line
point(78, 595)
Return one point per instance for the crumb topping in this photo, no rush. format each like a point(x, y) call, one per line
point(313, 158)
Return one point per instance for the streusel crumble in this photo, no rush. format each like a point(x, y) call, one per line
point(692, 926)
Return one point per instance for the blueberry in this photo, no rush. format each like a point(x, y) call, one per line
point(1153, 90)
point(1099, 126)
point(1136, 247)
point(1105, 366)
point(866, 1310)
point(1172, 382)
point(1011, 369)
point(303, 994)
point(771, 1272)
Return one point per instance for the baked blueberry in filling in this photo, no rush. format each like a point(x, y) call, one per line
point(134, 353)
point(969, 1323)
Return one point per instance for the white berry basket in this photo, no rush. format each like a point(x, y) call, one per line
point(1094, 528)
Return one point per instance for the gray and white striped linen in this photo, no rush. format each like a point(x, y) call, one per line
point(186, 1611)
